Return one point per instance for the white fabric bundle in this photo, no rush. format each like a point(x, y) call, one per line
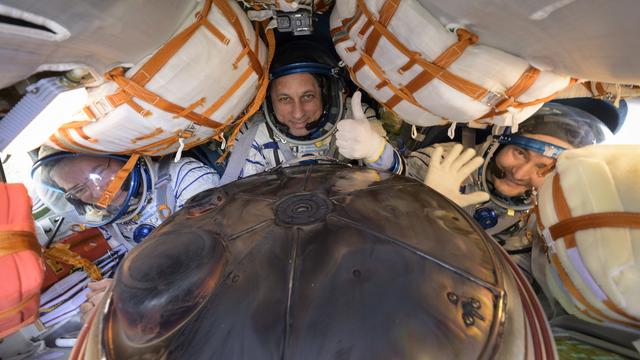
point(604, 263)
point(210, 68)
point(437, 102)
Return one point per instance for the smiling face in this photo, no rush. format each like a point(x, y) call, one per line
point(523, 169)
point(297, 101)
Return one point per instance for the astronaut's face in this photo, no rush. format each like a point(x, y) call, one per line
point(523, 169)
point(297, 101)
point(85, 178)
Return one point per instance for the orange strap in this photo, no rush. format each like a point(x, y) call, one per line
point(134, 87)
point(71, 144)
point(135, 90)
point(116, 183)
point(231, 16)
point(600, 89)
point(562, 209)
point(61, 252)
point(13, 241)
point(527, 78)
point(166, 52)
point(387, 11)
point(232, 90)
point(465, 38)
point(190, 108)
point(464, 86)
point(18, 307)
point(401, 93)
point(262, 91)
point(154, 133)
point(592, 221)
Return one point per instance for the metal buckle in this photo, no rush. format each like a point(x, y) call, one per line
point(492, 99)
point(101, 107)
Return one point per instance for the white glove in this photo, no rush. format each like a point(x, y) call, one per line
point(446, 175)
point(355, 138)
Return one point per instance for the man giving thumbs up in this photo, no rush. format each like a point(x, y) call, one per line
point(358, 138)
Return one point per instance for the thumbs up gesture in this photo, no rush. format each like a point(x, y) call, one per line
point(355, 138)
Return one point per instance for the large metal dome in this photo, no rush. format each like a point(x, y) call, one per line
point(318, 262)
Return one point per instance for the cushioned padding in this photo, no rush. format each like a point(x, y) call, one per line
point(205, 67)
point(22, 270)
point(597, 179)
point(437, 102)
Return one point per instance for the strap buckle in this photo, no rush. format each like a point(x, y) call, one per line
point(101, 107)
point(493, 98)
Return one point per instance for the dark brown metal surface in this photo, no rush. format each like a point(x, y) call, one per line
point(316, 262)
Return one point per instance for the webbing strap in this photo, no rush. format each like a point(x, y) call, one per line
point(593, 221)
point(223, 99)
point(18, 307)
point(257, 101)
point(239, 154)
point(13, 241)
point(526, 80)
point(116, 183)
point(136, 90)
point(562, 209)
point(286, 151)
point(437, 68)
point(464, 86)
point(166, 52)
point(165, 199)
point(134, 87)
point(154, 133)
point(401, 93)
point(465, 38)
point(62, 253)
point(387, 11)
point(231, 16)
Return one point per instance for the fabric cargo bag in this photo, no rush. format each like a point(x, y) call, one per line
point(210, 74)
point(20, 260)
point(430, 75)
point(589, 216)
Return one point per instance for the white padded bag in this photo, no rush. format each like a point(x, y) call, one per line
point(408, 61)
point(589, 211)
point(201, 80)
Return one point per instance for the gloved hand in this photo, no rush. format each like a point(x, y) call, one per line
point(355, 138)
point(98, 288)
point(446, 175)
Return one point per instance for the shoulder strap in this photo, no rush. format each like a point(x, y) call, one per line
point(239, 153)
point(163, 193)
point(286, 151)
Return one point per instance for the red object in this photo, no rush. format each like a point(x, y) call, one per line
point(90, 244)
point(20, 260)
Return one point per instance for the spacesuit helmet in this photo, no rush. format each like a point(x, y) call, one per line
point(553, 129)
point(299, 57)
point(66, 180)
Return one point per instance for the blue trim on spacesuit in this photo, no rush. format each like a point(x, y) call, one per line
point(539, 146)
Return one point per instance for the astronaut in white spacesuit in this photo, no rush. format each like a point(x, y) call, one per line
point(306, 115)
point(150, 192)
point(498, 187)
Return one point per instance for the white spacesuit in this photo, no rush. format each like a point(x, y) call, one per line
point(151, 192)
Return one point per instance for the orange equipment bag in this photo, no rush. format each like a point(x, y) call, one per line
point(20, 260)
